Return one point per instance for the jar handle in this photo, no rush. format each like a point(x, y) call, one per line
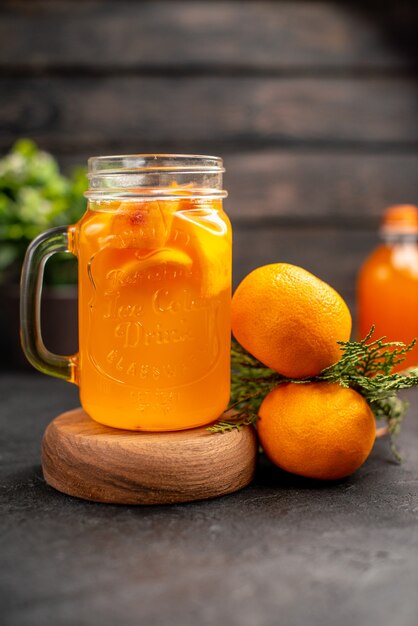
point(44, 246)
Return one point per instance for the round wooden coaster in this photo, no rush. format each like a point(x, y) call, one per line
point(85, 459)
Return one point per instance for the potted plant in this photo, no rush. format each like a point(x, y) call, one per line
point(35, 196)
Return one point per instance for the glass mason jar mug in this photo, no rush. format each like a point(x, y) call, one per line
point(154, 267)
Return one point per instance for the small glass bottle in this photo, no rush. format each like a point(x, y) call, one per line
point(387, 289)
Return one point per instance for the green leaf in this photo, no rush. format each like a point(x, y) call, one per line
point(26, 147)
point(35, 196)
point(8, 254)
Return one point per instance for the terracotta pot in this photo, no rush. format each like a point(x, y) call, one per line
point(59, 324)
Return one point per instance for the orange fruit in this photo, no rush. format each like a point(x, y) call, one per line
point(317, 430)
point(290, 320)
point(206, 237)
point(156, 259)
point(143, 225)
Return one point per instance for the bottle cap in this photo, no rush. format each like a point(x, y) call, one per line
point(401, 218)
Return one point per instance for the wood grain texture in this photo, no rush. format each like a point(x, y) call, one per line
point(233, 111)
point(318, 187)
point(251, 35)
point(85, 459)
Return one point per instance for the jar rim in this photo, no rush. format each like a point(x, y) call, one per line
point(133, 176)
point(153, 162)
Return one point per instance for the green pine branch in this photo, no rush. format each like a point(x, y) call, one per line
point(365, 366)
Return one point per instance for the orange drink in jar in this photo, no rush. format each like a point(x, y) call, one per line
point(154, 255)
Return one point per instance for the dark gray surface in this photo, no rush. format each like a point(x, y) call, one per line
point(283, 551)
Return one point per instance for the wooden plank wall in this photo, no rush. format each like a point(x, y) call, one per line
point(313, 106)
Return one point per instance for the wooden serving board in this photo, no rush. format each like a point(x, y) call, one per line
point(85, 459)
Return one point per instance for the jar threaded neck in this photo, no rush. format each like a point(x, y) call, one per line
point(155, 175)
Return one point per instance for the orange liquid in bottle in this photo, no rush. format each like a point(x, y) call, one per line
point(154, 292)
point(388, 286)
